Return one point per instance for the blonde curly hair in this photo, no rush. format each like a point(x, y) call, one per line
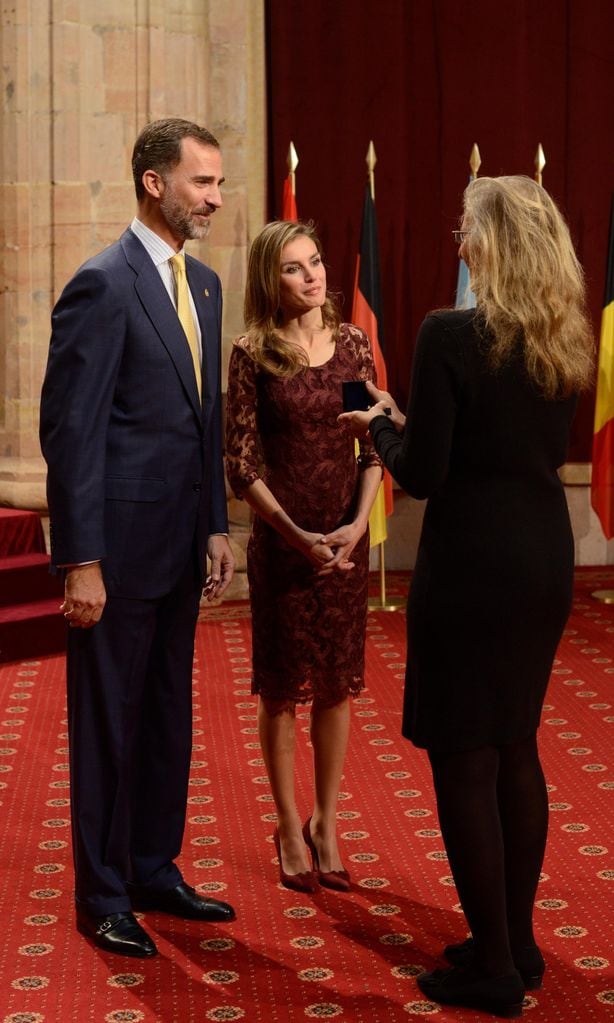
point(528, 283)
point(262, 310)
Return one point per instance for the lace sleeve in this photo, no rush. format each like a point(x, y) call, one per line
point(366, 371)
point(242, 446)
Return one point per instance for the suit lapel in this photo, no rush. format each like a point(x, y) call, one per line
point(205, 294)
point(160, 310)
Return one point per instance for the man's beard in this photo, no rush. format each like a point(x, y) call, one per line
point(181, 221)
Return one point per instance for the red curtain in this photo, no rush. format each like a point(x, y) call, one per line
point(425, 79)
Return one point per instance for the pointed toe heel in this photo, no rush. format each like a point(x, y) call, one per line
point(305, 881)
point(336, 880)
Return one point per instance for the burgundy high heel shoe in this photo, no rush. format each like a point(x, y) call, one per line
point(306, 881)
point(337, 880)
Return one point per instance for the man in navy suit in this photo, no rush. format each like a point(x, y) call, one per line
point(137, 501)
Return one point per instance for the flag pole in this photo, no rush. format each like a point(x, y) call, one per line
point(540, 163)
point(371, 161)
point(602, 508)
point(288, 203)
point(383, 604)
point(292, 164)
point(464, 295)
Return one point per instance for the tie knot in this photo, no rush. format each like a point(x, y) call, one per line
point(178, 263)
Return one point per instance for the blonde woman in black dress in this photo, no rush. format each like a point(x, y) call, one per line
point(493, 394)
point(308, 555)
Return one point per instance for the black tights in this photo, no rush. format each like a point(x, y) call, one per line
point(493, 812)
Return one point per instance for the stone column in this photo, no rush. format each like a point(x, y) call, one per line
point(25, 245)
point(237, 110)
point(79, 80)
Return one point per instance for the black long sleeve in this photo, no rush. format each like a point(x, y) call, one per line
point(419, 458)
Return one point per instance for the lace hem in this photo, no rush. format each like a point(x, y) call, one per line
point(287, 692)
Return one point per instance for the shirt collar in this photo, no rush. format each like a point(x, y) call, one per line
point(159, 250)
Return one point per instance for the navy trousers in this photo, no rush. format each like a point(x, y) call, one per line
point(130, 728)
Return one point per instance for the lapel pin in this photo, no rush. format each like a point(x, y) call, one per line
point(207, 292)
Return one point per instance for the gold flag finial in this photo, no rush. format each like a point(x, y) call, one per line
point(292, 160)
point(540, 163)
point(292, 163)
point(371, 161)
point(475, 160)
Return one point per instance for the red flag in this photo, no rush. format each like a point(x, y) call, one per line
point(367, 305)
point(602, 484)
point(288, 211)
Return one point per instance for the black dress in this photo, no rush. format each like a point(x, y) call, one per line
point(492, 586)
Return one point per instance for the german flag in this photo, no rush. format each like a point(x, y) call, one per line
point(367, 313)
point(602, 484)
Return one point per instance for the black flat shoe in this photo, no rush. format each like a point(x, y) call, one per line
point(528, 961)
point(468, 987)
point(120, 933)
point(182, 901)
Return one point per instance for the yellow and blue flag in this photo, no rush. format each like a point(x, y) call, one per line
point(602, 481)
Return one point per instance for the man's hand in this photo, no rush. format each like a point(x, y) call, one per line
point(222, 566)
point(84, 596)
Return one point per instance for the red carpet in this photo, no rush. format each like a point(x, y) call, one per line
point(288, 957)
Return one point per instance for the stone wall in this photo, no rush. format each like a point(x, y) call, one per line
point(79, 80)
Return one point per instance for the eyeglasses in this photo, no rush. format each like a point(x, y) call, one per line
point(459, 236)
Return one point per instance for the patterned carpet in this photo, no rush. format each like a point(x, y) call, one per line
point(354, 957)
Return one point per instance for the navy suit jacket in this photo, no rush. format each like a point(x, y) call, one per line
point(135, 471)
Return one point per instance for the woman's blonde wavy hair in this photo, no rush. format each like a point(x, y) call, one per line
point(262, 312)
point(528, 283)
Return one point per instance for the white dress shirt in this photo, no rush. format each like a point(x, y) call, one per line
point(160, 253)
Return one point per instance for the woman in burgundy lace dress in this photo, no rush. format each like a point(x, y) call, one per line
point(308, 555)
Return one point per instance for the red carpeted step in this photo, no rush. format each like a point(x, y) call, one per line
point(31, 629)
point(21, 532)
point(26, 577)
point(31, 623)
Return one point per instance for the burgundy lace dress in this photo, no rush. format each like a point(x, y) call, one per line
point(308, 632)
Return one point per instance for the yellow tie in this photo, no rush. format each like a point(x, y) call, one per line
point(184, 313)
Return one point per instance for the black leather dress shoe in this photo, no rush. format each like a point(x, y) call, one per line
point(120, 933)
point(182, 901)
